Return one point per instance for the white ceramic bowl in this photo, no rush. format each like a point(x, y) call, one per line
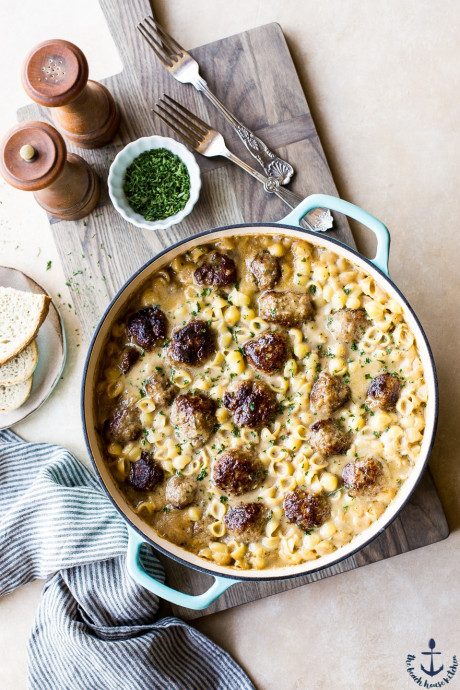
point(125, 158)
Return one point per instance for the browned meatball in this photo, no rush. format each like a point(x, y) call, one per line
point(329, 393)
point(268, 352)
point(266, 270)
point(159, 389)
point(194, 415)
point(216, 269)
point(124, 425)
point(306, 509)
point(129, 359)
point(192, 344)
point(253, 404)
point(180, 491)
point(285, 308)
point(364, 476)
point(328, 437)
point(347, 325)
point(383, 393)
point(247, 521)
point(145, 474)
point(236, 472)
point(147, 327)
point(177, 528)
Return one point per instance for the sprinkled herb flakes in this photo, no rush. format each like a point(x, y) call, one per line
point(157, 184)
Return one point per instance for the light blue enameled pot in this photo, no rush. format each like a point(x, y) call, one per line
point(139, 531)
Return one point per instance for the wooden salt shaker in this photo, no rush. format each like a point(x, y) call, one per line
point(55, 74)
point(33, 157)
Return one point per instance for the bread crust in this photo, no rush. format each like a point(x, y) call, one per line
point(22, 399)
point(10, 380)
point(42, 316)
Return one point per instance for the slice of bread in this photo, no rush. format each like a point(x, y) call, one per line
point(21, 315)
point(21, 367)
point(12, 397)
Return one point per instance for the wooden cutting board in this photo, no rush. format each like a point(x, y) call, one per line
point(253, 74)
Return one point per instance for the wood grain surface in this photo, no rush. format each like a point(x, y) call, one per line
point(253, 74)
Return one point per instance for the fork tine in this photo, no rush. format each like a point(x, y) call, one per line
point(191, 142)
point(156, 47)
point(200, 125)
point(181, 121)
point(168, 40)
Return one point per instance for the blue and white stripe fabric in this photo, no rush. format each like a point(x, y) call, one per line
point(95, 627)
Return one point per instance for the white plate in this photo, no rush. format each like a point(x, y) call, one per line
point(51, 344)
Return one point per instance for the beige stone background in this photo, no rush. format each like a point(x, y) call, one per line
point(382, 79)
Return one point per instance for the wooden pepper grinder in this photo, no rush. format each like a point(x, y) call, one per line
point(33, 157)
point(55, 74)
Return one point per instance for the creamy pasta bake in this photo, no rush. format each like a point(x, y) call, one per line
point(260, 401)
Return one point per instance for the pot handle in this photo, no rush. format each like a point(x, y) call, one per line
point(335, 204)
point(137, 572)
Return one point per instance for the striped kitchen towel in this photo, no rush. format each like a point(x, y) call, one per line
point(95, 627)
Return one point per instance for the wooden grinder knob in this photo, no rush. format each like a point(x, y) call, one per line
point(55, 74)
point(33, 157)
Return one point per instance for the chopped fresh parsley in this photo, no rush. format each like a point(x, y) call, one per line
point(157, 184)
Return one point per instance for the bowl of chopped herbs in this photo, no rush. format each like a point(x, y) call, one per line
point(154, 182)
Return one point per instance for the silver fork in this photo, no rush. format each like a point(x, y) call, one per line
point(183, 67)
point(207, 141)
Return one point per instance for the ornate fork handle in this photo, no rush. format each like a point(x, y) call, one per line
point(320, 219)
point(272, 165)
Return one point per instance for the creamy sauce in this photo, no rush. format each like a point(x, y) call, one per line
point(392, 438)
